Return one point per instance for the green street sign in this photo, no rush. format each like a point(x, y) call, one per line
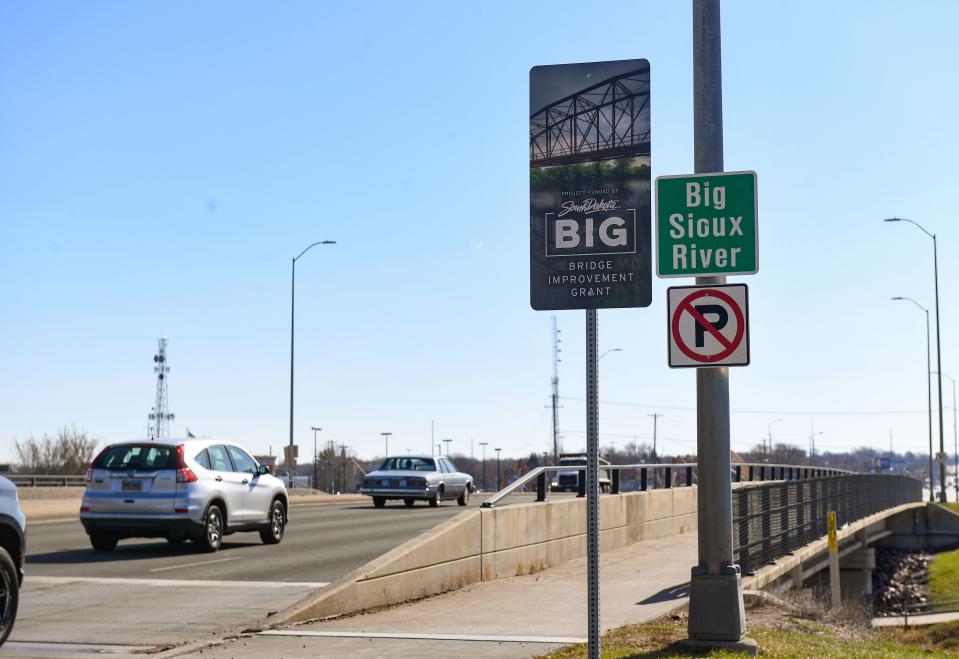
point(706, 225)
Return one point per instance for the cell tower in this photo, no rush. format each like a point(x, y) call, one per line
point(160, 416)
point(555, 396)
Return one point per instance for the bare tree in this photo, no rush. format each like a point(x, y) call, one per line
point(69, 453)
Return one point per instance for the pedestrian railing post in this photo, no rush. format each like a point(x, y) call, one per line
point(581, 483)
point(642, 479)
point(541, 486)
point(669, 477)
point(615, 476)
point(689, 476)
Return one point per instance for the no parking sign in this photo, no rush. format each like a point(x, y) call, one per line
point(708, 325)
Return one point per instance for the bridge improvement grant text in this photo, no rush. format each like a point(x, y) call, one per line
point(594, 282)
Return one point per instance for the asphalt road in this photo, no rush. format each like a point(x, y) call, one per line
point(151, 593)
point(321, 544)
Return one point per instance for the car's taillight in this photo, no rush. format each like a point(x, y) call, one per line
point(93, 464)
point(183, 473)
point(84, 509)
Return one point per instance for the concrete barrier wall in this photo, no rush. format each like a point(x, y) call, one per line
point(495, 543)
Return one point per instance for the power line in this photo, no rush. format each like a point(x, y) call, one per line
point(797, 412)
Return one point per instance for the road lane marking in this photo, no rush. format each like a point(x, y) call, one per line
point(118, 581)
point(565, 640)
point(195, 563)
point(46, 648)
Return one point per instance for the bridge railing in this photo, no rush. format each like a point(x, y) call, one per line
point(773, 519)
point(46, 480)
point(656, 475)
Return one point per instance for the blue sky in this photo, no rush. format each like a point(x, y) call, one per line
point(161, 163)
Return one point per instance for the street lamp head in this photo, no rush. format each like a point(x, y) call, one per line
point(892, 219)
point(898, 297)
point(328, 242)
point(315, 429)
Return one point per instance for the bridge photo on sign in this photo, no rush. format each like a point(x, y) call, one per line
point(708, 326)
point(589, 151)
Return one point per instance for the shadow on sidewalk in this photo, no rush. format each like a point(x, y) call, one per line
point(667, 594)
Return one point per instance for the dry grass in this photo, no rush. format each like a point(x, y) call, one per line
point(808, 631)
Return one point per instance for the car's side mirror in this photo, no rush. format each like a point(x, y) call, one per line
point(262, 470)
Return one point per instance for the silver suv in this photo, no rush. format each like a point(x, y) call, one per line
point(180, 489)
point(13, 543)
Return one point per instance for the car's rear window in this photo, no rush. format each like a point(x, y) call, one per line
point(137, 456)
point(415, 464)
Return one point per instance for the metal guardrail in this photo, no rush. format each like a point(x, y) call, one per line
point(661, 473)
point(771, 520)
point(45, 480)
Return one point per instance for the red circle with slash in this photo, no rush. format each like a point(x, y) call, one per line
point(728, 345)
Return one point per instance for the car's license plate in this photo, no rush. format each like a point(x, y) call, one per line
point(131, 486)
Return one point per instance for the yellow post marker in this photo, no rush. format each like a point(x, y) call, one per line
point(833, 560)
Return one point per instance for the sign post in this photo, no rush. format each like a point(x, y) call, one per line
point(834, 590)
point(590, 246)
point(716, 613)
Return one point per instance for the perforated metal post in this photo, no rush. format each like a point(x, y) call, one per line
point(592, 483)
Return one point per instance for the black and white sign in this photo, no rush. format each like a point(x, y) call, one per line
point(589, 159)
point(708, 326)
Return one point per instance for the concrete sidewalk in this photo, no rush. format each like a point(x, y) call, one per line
point(516, 617)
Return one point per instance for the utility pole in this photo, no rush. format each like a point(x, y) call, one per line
point(555, 395)
point(716, 612)
point(386, 437)
point(484, 444)
point(655, 418)
point(315, 430)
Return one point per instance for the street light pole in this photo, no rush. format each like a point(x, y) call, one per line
point(498, 486)
point(386, 437)
point(448, 442)
point(935, 274)
point(292, 326)
point(955, 441)
point(928, 389)
point(315, 430)
point(484, 445)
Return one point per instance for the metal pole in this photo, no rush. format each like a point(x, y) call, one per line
point(484, 445)
point(386, 438)
point(834, 587)
point(289, 466)
point(932, 496)
point(555, 392)
point(592, 484)
point(498, 486)
point(942, 445)
point(716, 611)
point(314, 429)
point(955, 441)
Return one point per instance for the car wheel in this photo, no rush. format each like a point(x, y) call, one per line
point(464, 498)
point(409, 502)
point(9, 594)
point(379, 502)
point(103, 542)
point(212, 536)
point(435, 499)
point(272, 534)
